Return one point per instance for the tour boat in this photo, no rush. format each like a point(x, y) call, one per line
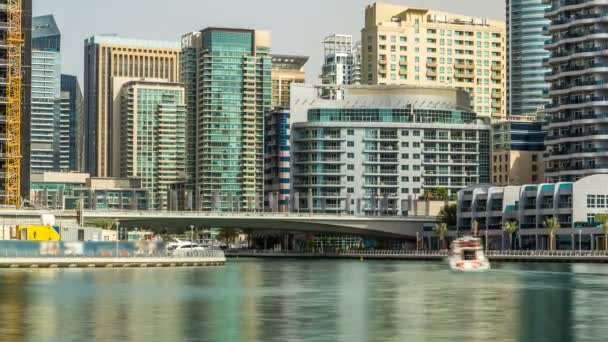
point(467, 255)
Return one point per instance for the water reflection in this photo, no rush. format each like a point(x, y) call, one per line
point(293, 300)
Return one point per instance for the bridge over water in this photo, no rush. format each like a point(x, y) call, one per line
point(389, 226)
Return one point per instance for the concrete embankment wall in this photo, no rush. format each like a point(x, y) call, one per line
point(91, 262)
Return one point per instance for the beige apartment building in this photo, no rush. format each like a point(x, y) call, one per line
point(286, 69)
point(111, 61)
point(418, 46)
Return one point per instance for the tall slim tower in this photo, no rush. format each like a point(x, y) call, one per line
point(109, 63)
point(526, 86)
point(191, 45)
point(46, 76)
point(71, 149)
point(233, 92)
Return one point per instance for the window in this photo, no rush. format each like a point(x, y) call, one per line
point(416, 191)
point(416, 145)
point(405, 133)
point(350, 156)
point(350, 178)
point(351, 167)
point(405, 167)
point(416, 133)
point(534, 157)
point(350, 132)
point(405, 190)
point(405, 144)
point(351, 190)
point(405, 179)
point(404, 156)
point(416, 167)
point(590, 201)
point(351, 144)
point(415, 156)
point(601, 201)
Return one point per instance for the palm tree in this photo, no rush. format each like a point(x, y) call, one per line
point(552, 224)
point(510, 228)
point(604, 219)
point(474, 228)
point(448, 215)
point(441, 229)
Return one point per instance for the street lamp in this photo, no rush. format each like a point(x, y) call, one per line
point(191, 233)
point(580, 232)
point(486, 239)
point(417, 242)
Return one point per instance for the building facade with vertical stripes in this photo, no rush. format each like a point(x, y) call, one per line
point(110, 62)
point(277, 160)
point(232, 81)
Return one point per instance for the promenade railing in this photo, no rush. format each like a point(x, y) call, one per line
point(421, 253)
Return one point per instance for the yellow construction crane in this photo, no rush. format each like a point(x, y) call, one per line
point(13, 108)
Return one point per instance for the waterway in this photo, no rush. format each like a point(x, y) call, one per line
point(307, 300)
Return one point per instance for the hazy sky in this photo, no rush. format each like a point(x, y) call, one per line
point(297, 26)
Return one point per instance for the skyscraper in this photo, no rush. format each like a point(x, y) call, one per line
point(46, 85)
point(233, 92)
point(341, 64)
point(577, 130)
point(286, 69)
point(71, 148)
point(15, 38)
point(423, 47)
point(153, 136)
point(526, 86)
point(191, 44)
point(109, 63)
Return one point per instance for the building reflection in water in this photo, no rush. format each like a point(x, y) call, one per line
point(306, 300)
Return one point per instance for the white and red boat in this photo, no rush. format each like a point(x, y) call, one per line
point(467, 255)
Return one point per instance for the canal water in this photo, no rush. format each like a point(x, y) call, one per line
point(307, 300)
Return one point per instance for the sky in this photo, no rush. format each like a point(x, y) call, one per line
point(296, 26)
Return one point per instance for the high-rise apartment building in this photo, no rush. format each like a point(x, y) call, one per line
point(153, 137)
point(233, 92)
point(577, 127)
point(382, 147)
point(15, 51)
point(277, 159)
point(423, 47)
point(341, 64)
point(110, 62)
point(526, 86)
point(71, 133)
point(517, 151)
point(286, 69)
point(189, 69)
point(45, 96)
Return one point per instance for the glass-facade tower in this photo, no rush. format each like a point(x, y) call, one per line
point(46, 83)
point(233, 93)
point(153, 137)
point(526, 86)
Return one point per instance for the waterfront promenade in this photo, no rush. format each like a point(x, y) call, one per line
point(412, 255)
point(191, 259)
